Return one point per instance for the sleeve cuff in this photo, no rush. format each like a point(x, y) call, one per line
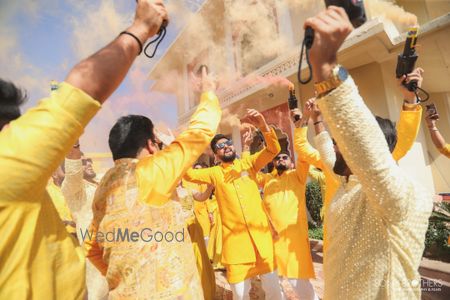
point(76, 103)
point(338, 96)
point(72, 166)
point(322, 138)
point(301, 131)
point(269, 133)
point(415, 108)
point(211, 96)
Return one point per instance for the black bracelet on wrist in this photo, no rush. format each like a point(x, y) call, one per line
point(317, 122)
point(136, 38)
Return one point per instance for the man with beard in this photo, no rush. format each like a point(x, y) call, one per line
point(407, 129)
point(379, 215)
point(79, 188)
point(135, 198)
point(247, 239)
point(285, 203)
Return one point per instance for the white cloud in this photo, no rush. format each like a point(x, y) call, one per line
point(99, 24)
point(18, 69)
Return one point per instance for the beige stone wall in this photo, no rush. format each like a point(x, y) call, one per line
point(378, 86)
point(425, 10)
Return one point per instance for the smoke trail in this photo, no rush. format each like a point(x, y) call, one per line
point(387, 9)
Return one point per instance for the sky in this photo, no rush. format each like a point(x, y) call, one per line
point(42, 40)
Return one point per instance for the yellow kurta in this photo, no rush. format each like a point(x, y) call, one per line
point(407, 129)
point(136, 195)
point(61, 207)
point(38, 257)
point(244, 221)
point(445, 150)
point(284, 198)
point(204, 266)
point(215, 237)
point(378, 219)
point(200, 207)
point(310, 155)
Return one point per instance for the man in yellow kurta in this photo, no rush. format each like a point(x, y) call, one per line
point(379, 215)
point(62, 208)
point(201, 205)
point(247, 240)
point(186, 198)
point(38, 258)
point(135, 197)
point(285, 202)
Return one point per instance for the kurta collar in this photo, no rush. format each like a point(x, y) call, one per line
point(125, 161)
point(352, 181)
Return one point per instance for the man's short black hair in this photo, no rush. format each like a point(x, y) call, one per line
point(389, 131)
point(129, 135)
point(284, 151)
point(11, 98)
point(215, 139)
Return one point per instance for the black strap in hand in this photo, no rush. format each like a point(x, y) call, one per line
point(306, 46)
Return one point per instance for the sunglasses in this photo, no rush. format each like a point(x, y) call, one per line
point(223, 144)
point(283, 157)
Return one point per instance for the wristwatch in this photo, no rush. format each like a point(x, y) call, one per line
point(338, 75)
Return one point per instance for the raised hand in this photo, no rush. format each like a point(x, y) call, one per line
point(203, 83)
point(415, 75)
point(296, 112)
point(149, 17)
point(248, 137)
point(256, 118)
point(331, 28)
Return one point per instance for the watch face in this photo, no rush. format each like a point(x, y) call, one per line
point(342, 74)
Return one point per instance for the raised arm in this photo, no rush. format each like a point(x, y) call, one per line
point(54, 126)
point(160, 173)
point(260, 177)
point(302, 147)
point(258, 160)
point(200, 176)
point(410, 116)
point(407, 129)
point(100, 74)
point(436, 137)
point(72, 185)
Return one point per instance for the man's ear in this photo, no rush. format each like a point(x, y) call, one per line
point(151, 148)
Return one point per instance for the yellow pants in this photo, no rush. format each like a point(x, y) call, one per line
point(240, 272)
point(203, 265)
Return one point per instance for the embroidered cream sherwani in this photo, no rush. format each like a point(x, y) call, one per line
point(135, 196)
point(378, 219)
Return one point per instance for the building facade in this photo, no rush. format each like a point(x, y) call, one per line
point(254, 81)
